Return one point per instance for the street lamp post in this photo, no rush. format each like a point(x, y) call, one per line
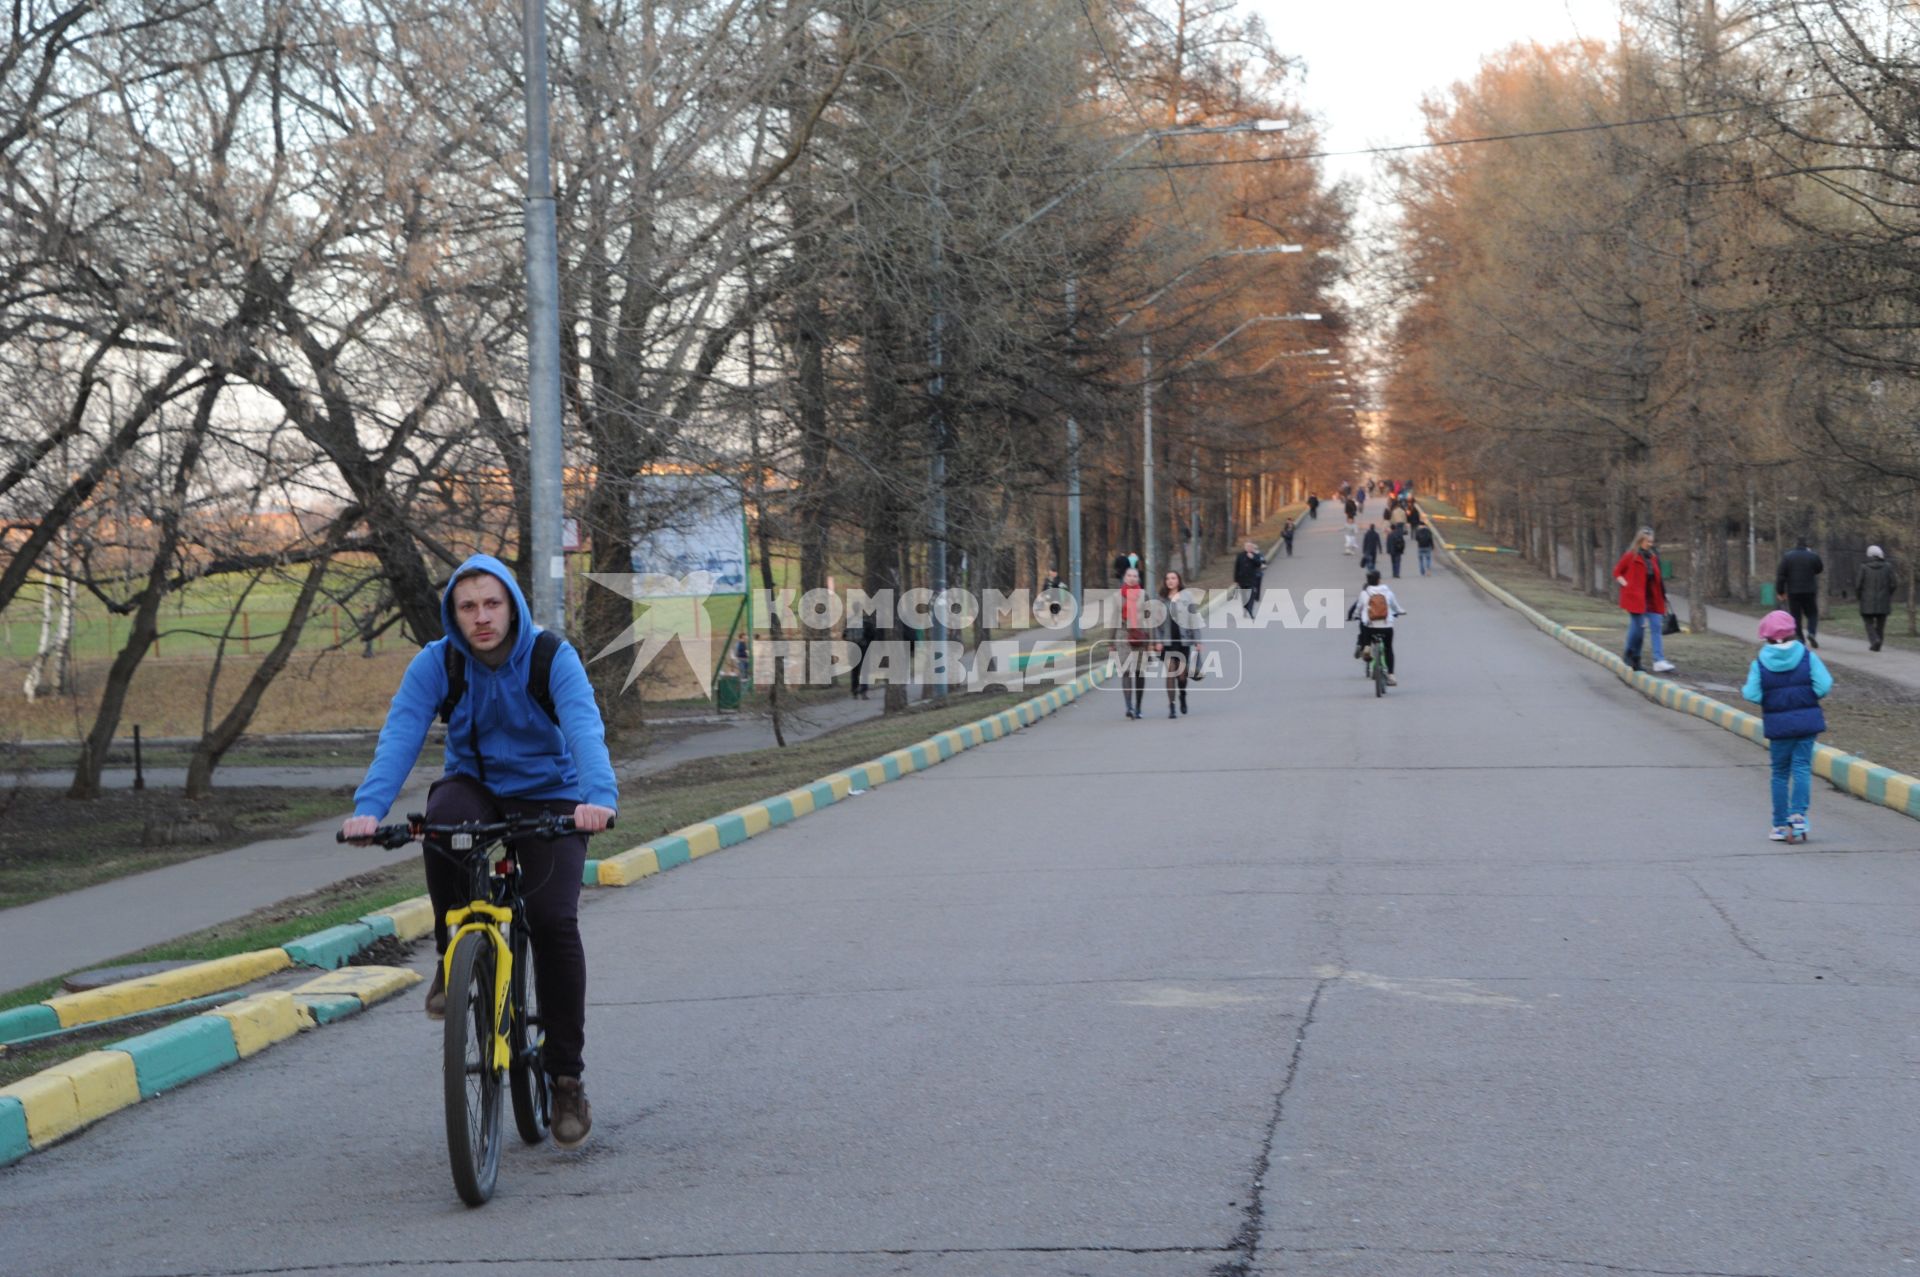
point(545, 457)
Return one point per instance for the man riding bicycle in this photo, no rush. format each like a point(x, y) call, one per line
point(524, 737)
point(1375, 609)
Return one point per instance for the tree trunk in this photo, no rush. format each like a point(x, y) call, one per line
point(214, 743)
point(146, 616)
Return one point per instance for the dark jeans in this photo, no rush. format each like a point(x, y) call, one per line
point(1396, 563)
point(1383, 636)
point(1876, 628)
point(1805, 609)
point(550, 884)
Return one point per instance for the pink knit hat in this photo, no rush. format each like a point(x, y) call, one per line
point(1776, 625)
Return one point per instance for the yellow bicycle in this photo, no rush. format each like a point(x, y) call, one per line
point(492, 1031)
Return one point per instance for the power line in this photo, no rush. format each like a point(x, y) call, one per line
point(1441, 143)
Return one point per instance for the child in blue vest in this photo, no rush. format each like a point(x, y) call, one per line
point(1787, 681)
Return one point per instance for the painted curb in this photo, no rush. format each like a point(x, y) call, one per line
point(1860, 777)
point(705, 837)
point(328, 949)
point(59, 1101)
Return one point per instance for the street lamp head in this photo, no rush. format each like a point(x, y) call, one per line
point(1271, 126)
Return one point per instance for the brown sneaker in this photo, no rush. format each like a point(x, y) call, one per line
point(572, 1115)
point(437, 993)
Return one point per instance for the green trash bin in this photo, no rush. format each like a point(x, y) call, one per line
point(726, 692)
point(1768, 599)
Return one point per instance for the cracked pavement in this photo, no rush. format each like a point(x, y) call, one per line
point(1496, 977)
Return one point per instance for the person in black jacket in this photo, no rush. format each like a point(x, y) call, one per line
point(1397, 545)
point(1798, 582)
point(1249, 571)
point(1873, 587)
point(1313, 506)
point(1423, 542)
point(1370, 548)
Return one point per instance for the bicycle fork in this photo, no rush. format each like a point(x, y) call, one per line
point(497, 919)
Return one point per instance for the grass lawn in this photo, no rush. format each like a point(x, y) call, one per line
point(1872, 717)
point(50, 845)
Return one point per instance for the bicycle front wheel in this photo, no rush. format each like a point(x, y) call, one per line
point(471, 1081)
point(526, 1039)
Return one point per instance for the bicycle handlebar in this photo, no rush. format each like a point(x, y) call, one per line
point(482, 833)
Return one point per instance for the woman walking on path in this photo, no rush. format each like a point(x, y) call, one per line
point(1643, 596)
point(1177, 639)
point(1787, 681)
point(1873, 587)
point(1132, 645)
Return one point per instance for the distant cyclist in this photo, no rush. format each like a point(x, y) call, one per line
point(524, 736)
point(1375, 609)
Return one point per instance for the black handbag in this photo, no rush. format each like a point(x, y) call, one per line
point(1671, 624)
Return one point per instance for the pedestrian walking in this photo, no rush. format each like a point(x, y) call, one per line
point(1177, 640)
point(1798, 581)
point(1132, 643)
point(1352, 508)
point(1353, 538)
point(1249, 573)
point(1415, 517)
point(1286, 536)
point(1643, 596)
point(1788, 681)
point(1397, 545)
point(1313, 506)
point(1370, 547)
point(1873, 587)
point(861, 637)
point(1423, 543)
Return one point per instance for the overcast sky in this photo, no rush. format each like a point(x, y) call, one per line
point(1369, 64)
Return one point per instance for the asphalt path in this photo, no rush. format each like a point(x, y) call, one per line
point(1498, 975)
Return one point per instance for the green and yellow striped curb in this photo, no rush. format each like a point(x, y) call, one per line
point(1860, 777)
point(697, 840)
point(56, 1102)
point(333, 947)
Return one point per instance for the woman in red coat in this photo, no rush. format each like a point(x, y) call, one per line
point(1131, 642)
point(1643, 595)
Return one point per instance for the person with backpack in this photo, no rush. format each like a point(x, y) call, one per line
point(1397, 546)
point(1873, 587)
point(1788, 681)
point(1375, 609)
point(1423, 544)
point(524, 736)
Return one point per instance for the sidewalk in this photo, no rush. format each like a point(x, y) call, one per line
point(1896, 665)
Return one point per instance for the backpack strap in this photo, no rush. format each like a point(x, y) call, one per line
point(546, 645)
point(456, 682)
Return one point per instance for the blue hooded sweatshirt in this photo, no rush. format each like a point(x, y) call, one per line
point(1772, 683)
point(526, 755)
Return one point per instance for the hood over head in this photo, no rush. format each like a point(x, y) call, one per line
point(1781, 657)
point(523, 628)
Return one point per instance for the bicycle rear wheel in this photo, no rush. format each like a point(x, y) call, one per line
point(1379, 675)
point(468, 1075)
point(526, 1038)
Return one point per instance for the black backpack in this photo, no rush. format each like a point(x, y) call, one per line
point(539, 676)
